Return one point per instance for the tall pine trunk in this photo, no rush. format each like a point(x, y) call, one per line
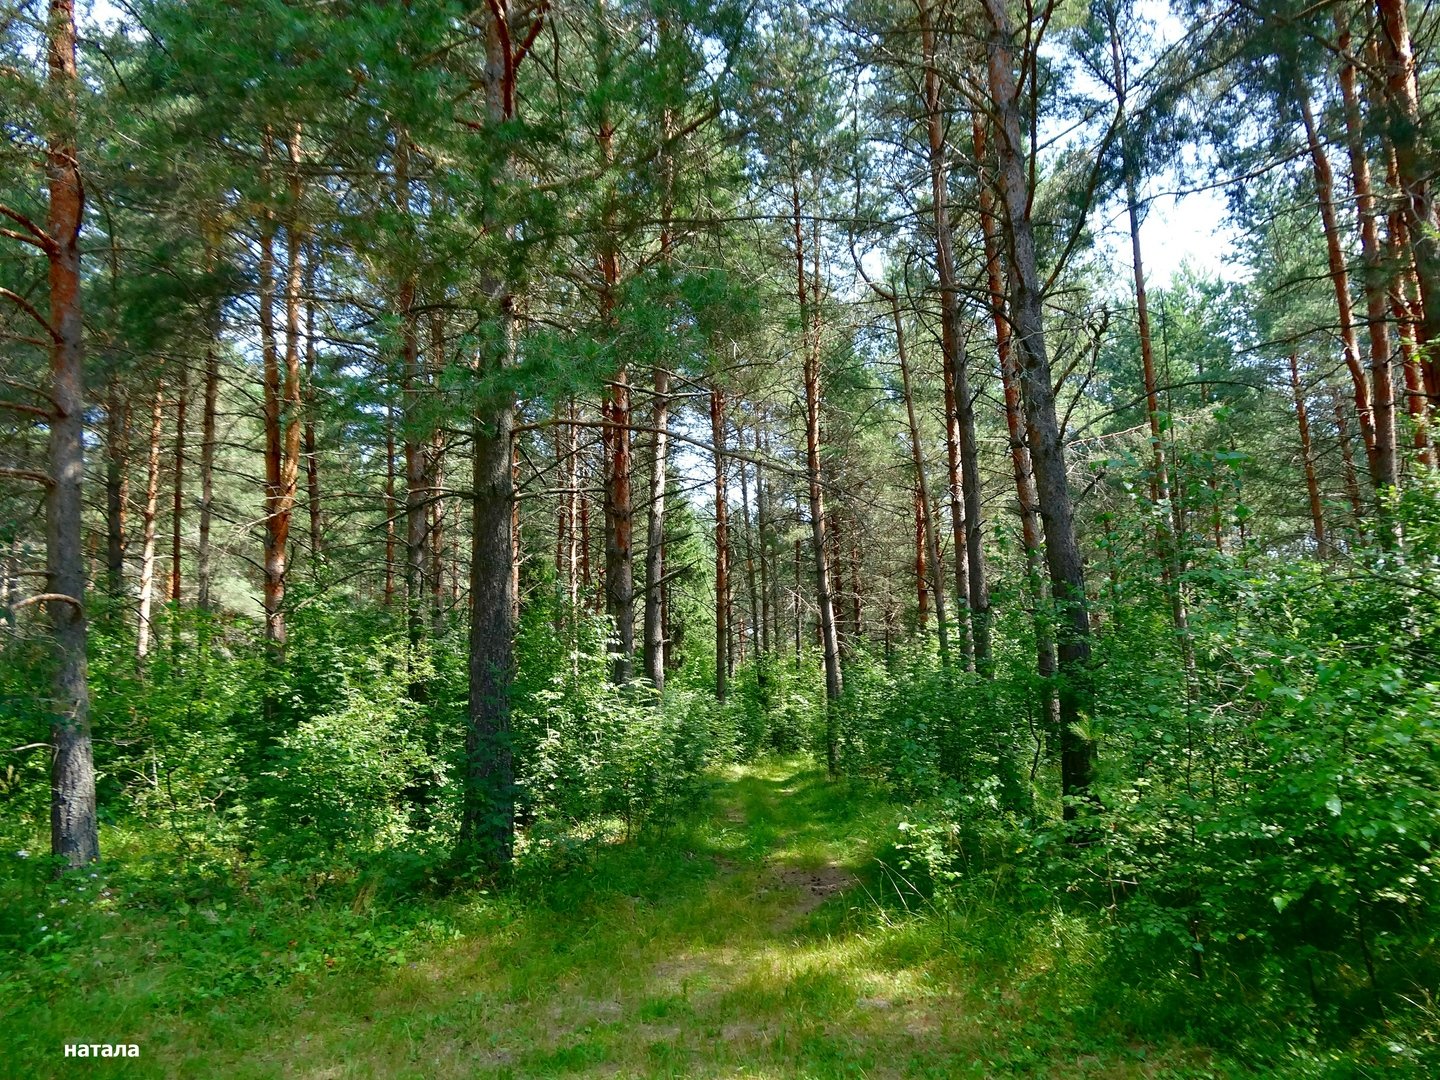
point(413, 440)
point(722, 544)
point(1371, 253)
point(810, 347)
point(282, 400)
point(959, 405)
point(73, 833)
point(487, 822)
point(929, 545)
point(1046, 661)
point(1047, 450)
point(209, 443)
point(1377, 418)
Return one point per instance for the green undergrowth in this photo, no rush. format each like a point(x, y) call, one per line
point(769, 933)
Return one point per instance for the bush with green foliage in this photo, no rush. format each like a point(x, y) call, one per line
point(1269, 802)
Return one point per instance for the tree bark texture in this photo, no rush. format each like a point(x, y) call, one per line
point(1047, 450)
point(73, 832)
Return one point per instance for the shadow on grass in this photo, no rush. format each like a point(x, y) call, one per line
point(691, 951)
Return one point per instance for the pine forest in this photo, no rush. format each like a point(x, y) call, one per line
point(720, 538)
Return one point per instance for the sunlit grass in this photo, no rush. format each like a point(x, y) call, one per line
point(748, 942)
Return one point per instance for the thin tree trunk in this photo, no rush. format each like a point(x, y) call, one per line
point(438, 534)
point(857, 593)
point(722, 544)
point(413, 438)
point(117, 483)
point(810, 346)
point(762, 528)
point(391, 506)
point(922, 574)
point(270, 360)
point(1380, 451)
point(312, 451)
point(177, 506)
point(148, 515)
point(654, 627)
point(1169, 533)
point(73, 833)
point(1347, 459)
point(583, 497)
point(1307, 458)
point(516, 554)
point(751, 584)
point(959, 403)
point(204, 568)
point(929, 541)
point(619, 524)
point(795, 605)
point(1047, 450)
point(570, 553)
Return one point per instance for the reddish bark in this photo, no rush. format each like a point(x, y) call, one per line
point(1373, 412)
point(73, 833)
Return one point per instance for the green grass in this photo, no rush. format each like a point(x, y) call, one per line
point(747, 941)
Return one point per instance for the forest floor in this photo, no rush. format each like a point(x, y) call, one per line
point(750, 941)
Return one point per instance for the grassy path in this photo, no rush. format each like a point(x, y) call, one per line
point(744, 944)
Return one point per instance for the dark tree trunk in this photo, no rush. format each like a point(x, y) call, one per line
point(655, 533)
point(1047, 450)
point(1307, 458)
point(1169, 532)
point(413, 437)
point(391, 506)
point(752, 586)
point(1009, 365)
point(487, 824)
point(722, 544)
point(1347, 460)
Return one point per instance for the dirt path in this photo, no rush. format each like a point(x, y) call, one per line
point(746, 944)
